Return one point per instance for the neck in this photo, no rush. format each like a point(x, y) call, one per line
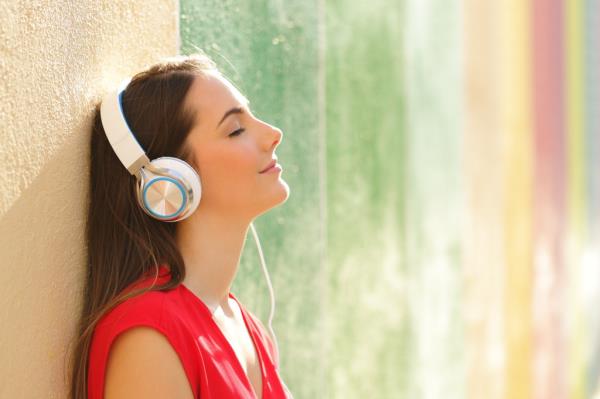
point(211, 244)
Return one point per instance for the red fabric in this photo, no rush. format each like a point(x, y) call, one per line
point(211, 366)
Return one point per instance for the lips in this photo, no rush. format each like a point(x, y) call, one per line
point(269, 166)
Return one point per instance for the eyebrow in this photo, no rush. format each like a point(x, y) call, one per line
point(234, 110)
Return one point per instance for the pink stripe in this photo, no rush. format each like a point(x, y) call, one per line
point(549, 199)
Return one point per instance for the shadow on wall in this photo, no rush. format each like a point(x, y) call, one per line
point(43, 249)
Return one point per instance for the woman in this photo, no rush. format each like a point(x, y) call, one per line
point(158, 319)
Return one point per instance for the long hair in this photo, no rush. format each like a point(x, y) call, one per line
point(123, 243)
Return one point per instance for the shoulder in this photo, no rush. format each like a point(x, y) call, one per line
point(145, 307)
point(166, 311)
point(133, 335)
point(144, 310)
point(140, 355)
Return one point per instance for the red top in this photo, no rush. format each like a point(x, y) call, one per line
point(209, 361)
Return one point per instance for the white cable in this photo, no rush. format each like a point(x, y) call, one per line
point(272, 295)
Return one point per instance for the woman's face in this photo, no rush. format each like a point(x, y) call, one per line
point(229, 160)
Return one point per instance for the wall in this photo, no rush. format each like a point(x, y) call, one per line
point(56, 58)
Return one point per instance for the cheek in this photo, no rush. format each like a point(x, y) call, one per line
point(226, 167)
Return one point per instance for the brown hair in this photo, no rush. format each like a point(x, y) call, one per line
point(123, 243)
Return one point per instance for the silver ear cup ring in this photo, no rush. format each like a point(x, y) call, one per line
point(164, 194)
point(169, 189)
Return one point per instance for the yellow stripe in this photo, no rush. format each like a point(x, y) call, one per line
point(516, 122)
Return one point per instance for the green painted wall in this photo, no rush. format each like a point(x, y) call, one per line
point(270, 51)
point(329, 75)
point(365, 169)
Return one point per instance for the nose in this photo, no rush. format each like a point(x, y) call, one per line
point(274, 135)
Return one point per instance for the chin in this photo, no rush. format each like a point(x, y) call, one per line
point(285, 191)
point(278, 198)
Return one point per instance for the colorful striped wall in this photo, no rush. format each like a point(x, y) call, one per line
point(534, 66)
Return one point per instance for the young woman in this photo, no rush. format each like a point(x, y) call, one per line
point(158, 318)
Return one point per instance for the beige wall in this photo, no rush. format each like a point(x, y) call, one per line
point(56, 60)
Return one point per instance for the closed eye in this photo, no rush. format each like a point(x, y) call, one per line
point(236, 132)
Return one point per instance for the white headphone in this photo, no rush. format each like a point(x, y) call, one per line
point(169, 188)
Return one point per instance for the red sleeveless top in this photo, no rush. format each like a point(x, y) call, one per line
point(210, 363)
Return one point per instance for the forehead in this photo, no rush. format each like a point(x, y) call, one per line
point(210, 96)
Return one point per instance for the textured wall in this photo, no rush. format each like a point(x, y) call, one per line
point(370, 339)
point(531, 137)
point(434, 197)
point(56, 59)
point(328, 74)
point(270, 51)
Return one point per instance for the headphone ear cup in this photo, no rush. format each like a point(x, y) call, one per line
point(186, 198)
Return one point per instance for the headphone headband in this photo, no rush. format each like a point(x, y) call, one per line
point(168, 188)
point(122, 140)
